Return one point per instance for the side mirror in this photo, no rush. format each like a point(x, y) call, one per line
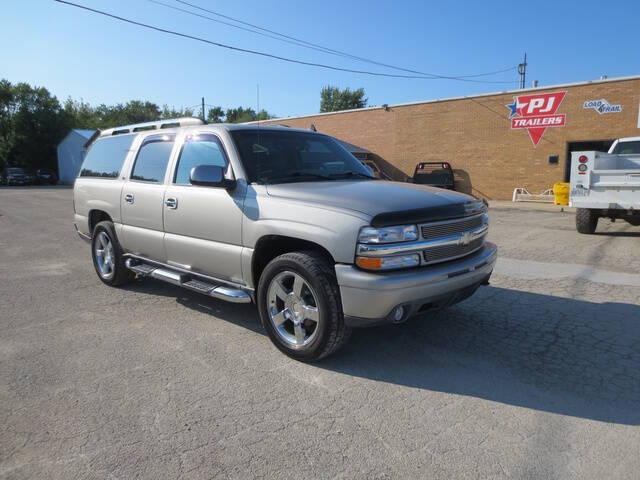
point(210, 176)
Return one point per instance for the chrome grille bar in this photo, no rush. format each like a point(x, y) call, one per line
point(450, 227)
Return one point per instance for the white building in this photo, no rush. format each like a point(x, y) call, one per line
point(71, 153)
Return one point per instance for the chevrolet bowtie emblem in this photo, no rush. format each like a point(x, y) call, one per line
point(465, 239)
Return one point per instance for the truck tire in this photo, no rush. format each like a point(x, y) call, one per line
point(586, 220)
point(107, 256)
point(299, 305)
point(634, 221)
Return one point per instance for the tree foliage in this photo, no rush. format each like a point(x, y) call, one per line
point(333, 99)
point(33, 122)
point(236, 115)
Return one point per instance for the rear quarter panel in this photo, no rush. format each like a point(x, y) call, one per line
point(96, 194)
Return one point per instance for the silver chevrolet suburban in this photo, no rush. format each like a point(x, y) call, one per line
point(282, 217)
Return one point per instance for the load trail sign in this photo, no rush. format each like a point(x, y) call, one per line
point(536, 112)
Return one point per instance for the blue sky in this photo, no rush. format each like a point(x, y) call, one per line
point(86, 56)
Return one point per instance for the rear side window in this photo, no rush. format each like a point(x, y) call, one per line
point(106, 156)
point(152, 159)
point(198, 150)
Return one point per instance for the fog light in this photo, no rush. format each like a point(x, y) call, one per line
point(398, 312)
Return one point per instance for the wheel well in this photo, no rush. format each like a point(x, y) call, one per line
point(271, 246)
point(95, 217)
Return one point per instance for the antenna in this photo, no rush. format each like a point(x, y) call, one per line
point(522, 70)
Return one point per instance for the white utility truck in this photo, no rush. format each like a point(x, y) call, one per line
point(606, 184)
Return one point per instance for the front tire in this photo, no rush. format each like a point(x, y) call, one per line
point(586, 220)
point(299, 306)
point(107, 256)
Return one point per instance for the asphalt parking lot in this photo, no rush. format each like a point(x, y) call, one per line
point(536, 376)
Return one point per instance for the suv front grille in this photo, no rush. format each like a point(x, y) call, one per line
point(449, 252)
point(445, 229)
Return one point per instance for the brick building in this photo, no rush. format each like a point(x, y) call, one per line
point(494, 142)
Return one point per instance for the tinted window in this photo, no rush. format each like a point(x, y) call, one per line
point(152, 159)
point(627, 148)
point(198, 150)
point(106, 156)
point(276, 156)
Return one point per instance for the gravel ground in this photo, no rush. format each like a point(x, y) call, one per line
point(536, 376)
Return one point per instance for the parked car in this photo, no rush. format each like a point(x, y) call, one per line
point(45, 176)
point(435, 174)
point(16, 176)
point(606, 185)
point(285, 218)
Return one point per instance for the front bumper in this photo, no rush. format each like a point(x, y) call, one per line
point(370, 298)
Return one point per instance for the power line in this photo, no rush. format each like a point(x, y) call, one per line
point(238, 49)
point(314, 46)
point(274, 37)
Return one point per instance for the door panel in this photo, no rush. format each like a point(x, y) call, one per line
point(141, 205)
point(203, 231)
point(142, 232)
point(203, 225)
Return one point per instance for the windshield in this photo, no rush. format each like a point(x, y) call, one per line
point(15, 170)
point(627, 148)
point(273, 156)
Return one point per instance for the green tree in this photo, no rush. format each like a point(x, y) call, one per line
point(241, 115)
point(173, 113)
point(7, 110)
point(333, 99)
point(32, 123)
point(215, 115)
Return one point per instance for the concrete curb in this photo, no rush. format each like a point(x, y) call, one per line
point(530, 206)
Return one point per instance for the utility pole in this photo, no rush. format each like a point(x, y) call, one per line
point(203, 117)
point(522, 70)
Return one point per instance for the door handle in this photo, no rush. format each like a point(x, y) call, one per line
point(128, 198)
point(171, 203)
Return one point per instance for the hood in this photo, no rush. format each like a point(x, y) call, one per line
point(375, 197)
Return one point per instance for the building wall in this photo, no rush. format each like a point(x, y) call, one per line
point(475, 136)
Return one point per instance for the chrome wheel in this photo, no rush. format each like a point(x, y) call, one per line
point(105, 258)
point(293, 309)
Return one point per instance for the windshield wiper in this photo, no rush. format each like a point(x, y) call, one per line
point(352, 174)
point(293, 176)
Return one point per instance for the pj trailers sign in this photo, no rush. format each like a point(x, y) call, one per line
point(537, 112)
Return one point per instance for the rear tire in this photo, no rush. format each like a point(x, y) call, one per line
point(107, 256)
point(586, 220)
point(299, 306)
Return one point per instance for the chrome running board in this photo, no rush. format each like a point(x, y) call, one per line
point(186, 280)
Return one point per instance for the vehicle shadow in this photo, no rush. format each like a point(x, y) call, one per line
point(244, 315)
point(542, 352)
point(619, 234)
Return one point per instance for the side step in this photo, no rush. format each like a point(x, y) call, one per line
point(222, 292)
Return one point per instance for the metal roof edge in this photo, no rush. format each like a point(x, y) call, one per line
point(462, 97)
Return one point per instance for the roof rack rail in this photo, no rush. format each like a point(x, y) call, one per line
point(157, 125)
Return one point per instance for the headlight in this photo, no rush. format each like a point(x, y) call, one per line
point(388, 263)
point(401, 233)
